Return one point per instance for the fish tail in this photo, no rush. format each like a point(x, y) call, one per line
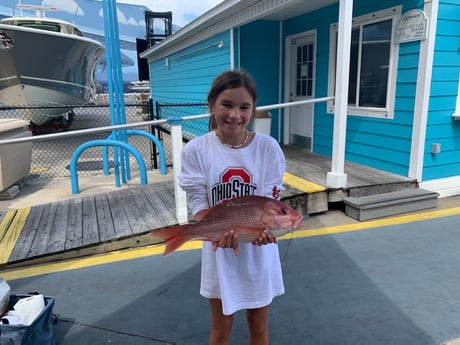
point(174, 237)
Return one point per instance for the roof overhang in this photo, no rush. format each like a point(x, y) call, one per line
point(230, 14)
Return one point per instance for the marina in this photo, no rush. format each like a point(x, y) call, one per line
point(123, 218)
point(61, 71)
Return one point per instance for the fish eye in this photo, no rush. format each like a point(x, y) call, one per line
point(283, 211)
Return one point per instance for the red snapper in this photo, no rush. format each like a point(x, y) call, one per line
point(248, 216)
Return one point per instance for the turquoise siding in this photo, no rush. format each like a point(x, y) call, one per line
point(190, 71)
point(386, 144)
point(380, 143)
point(259, 55)
point(188, 79)
point(442, 129)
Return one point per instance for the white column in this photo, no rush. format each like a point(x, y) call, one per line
point(336, 178)
point(180, 196)
point(422, 93)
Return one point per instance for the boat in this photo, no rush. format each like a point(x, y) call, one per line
point(47, 66)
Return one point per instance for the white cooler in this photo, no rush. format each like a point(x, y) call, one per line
point(14, 158)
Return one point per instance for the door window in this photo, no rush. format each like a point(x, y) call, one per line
point(304, 70)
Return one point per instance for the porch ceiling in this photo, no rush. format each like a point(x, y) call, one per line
point(232, 13)
point(295, 8)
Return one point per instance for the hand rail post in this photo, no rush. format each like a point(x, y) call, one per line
point(180, 196)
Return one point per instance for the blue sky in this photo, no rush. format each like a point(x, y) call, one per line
point(87, 15)
point(183, 11)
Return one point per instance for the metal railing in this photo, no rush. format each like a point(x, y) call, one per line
point(174, 124)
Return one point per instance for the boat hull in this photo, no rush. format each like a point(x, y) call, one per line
point(41, 68)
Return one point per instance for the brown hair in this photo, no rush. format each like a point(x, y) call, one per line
point(230, 80)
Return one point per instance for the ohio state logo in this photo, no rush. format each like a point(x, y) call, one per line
point(233, 182)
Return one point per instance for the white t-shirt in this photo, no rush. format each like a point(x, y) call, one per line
point(212, 172)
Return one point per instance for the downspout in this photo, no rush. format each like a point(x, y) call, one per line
point(336, 178)
point(280, 80)
point(232, 50)
point(422, 93)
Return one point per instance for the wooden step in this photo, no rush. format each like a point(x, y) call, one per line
point(388, 204)
point(9, 193)
point(303, 195)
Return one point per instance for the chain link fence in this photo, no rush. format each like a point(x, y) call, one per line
point(190, 129)
point(51, 157)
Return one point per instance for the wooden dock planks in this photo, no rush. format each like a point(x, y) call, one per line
point(81, 222)
point(124, 217)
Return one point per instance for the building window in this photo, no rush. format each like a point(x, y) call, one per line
point(372, 65)
point(304, 70)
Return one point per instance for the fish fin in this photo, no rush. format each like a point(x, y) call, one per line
point(205, 213)
point(246, 233)
point(174, 243)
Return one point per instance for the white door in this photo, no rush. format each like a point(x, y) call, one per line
point(301, 87)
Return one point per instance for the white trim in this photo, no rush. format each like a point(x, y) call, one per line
point(288, 75)
point(456, 114)
point(422, 93)
point(393, 13)
point(226, 15)
point(446, 187)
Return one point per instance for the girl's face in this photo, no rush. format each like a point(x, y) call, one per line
point(233, 109)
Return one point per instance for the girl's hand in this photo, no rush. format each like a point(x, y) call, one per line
point(228, 240)
point(264, 238)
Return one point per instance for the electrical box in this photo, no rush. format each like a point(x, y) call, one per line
point(15, 159)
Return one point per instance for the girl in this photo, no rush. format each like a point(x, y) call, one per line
point(227, 162)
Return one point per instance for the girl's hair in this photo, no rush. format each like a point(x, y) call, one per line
point(230, 80)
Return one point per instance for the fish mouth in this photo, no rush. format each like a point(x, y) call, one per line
point(298, 222)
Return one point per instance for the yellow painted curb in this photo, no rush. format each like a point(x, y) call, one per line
point(134, 253)
point(12, 233)
point(397, 220)
point(6, 221)
point(72, 264)
point(302, 184)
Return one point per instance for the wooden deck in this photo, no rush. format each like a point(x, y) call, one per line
point(123, 218)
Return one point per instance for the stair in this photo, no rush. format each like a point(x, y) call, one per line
point(304, 196)
point(388, 204)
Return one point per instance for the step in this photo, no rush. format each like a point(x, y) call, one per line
point(9, 193)
point(307, 203)
point(303, 195)
point(388, 204)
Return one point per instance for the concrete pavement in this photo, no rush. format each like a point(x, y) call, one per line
point(389, 281)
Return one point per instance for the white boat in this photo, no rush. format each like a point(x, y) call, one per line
point(45, 62)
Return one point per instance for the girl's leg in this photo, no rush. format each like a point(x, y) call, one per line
point(258, 326)
point(221, 325)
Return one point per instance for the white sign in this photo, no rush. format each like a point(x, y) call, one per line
point(411, 27)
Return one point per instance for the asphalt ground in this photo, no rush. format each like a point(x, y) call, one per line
point(387, 281)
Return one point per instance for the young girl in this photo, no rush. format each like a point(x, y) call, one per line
point(227, 162)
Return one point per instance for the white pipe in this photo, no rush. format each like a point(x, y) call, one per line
point(180, 195)
point(336, 178)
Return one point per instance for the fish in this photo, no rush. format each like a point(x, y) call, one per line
point(248, 216)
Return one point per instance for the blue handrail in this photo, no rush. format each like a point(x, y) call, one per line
point(104, 142)
point(129, 132)
point(119, 138)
